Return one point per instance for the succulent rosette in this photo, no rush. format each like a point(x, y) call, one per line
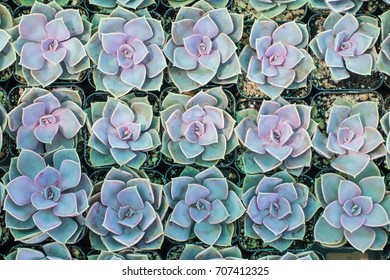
point(347, 45)
point(278, 135)
point(277, 209)
point(202, 47)
point(385, 124)
point(50, 43)
point(197, 129)
point(127, 212)
point(355, 210)
point(205, 205)
point(215, 3)
point(46, 120)
point(352, 138)
point(7, 51)
point(272, 8)
point(126, 52)
point(195, 252)
point(131, 4)
point(129, 255)
point(46, 197)
point(276, 58)
point(302, 256)
point(384, 53)
point(338, 6)
point(49, 251)
point(122, 131)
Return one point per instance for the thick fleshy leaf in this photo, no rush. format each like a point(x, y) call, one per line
point(21, 189)
point(66, 206)
point(326, 234)
point(32, 27)
point(46, 220)
point(207, 233)
point(362, 238)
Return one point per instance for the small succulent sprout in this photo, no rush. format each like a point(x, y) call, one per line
point(195, 252)
point(126, 51)
point(347, 45)
point(50, 43)
point(205, 205)
point(302, 256)
point(129, 255)
point(46, 197)
point(131, 4)
point(122, 132)
point(276, 58)
point(276, 136)
point(384, 54)
point(46, 120)
point(49, 251)
point(385, 124)
point(215, 3)
point(277, 209)
point(272, 8)
point(352, 138)
point(197, 129)
point(127, 212)
point(355, 210)
point(202, 47)
point(338, 6)
point(7, 51)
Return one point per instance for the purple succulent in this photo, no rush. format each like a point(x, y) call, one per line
point(7, 51)
point(205, 205)
point(272, 8)
point(352, 139)
point(122, 132)
point(126, 53)
point(303, 256)
point(46, 197)
point(338, 6)
point(195, 252)
point(127, 213)
point(131, 4)
point(202, 47)
point(49, 251)
point(355, 211)
point(279, 135)
point(50, 42)
point(384, 54)
point(347, 44)
point(197, 129)
point(277, 209)
point(46, 120)
point(276, 58)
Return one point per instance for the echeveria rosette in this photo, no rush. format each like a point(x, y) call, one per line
point(196, 252)
point(302, 256)
point(277, 209)
point(131, 4)
point(272, 8)
point(122, 132)
point(46, 197)
point(347, 45)
point(50, 43)
point(338, 6)
point(205, 205)
point(352, 138)
point(202, 47)
point(215, 3)
point(126, 51)
point(197, 129)
point(46, 120)
point(276, 136)
point(276, 58)
point(49, 251)
point(129, 255)
point(384, 53)
point(385, 124)
point(7, 51)
point(127, 213)
point(355, 210)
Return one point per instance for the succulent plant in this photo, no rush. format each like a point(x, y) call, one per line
point(277, 209)
point(278, 135)
point(126, 51)
point(347, 44)
point(131, 4)
point(32, 2)
point(272, 8)
point(49, 251)
point(127, 212)
point(46, 197)
point(276, 58)
point(351, 136)
point(338, 6)
point(7, 51)
point(215, 3)
point(202, 47)
point(197, 129)
point(50, 42)
point(302, 256)
point(384, 54)
point(120, 256)
point(355, 210)
point(205, 205)
point(122, 132)
point(195, 252)
point(385, 124)
point(46, 120)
